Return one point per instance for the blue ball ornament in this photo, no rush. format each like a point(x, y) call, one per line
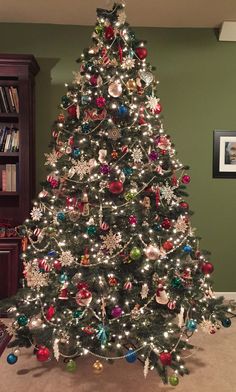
point(52, 253)
point(76, 152)
point(187, 249)
point(128, 171)
point(157, 227)
point(191, 325)
point(85, 128)
point(65, 101)
point(61, 216)
point(22, 320)
point(131, 356)
point(122, 111)
point(12, 359)
point(226, 322)
point(63, 278)
point(91, 230)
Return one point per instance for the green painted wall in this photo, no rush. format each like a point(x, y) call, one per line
point(198, 90)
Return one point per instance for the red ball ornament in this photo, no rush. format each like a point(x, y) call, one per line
point(141, 52)
point(57, 265)
point(116, 187)
point(184, 205)
point(93, 80)
point(82, 285)
point(158, 109)
point(43, 354)
point(50, 312)
point(168, 245)
point(89, 330)
point(72, 111)
point(166, 223)
point(109, 33)
point(186, 179)
point(207, 268)
point(165, 359)
point(112, 281)
point(133, 220)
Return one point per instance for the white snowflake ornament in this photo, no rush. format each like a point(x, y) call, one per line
point(180, 225)
point(152, 102)
point(111, 241)
point(128, 63)
point(36, 214)
point(137, 155)
point(80, 167)
point(51, 159)
point(167, 193)
point(66, 258)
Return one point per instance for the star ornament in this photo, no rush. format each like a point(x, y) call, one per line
point(152, 102)
point(128, 63)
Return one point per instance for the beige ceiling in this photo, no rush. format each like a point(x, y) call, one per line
point(160, 13)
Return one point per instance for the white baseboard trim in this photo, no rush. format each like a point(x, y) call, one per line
point(227, 294)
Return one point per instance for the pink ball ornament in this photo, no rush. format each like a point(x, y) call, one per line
point(83, 297)
point(133, 220)
point(152, 252)
point(158, 109)
point(116, 311)
point(186, 179)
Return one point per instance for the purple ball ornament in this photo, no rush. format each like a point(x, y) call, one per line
point(105, 169)
point(116, 311)
point(186, 179)
point(153, 155)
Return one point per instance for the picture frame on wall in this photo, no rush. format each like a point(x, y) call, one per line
point(224, 154)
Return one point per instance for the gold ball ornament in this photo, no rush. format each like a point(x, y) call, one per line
point(97, 367)
point(131, 85)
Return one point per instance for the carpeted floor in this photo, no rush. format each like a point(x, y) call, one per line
point(212, 369)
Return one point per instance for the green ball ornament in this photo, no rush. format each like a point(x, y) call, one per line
point(71, 366)
point(176, 282)
point(22, 320)
point(99, 29)
point(91, 230)
point(77, 313)
point(135, 253)
point(130, 196)
point(173, 380)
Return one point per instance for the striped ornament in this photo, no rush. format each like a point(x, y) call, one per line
point(104, 226)
point(171, 305)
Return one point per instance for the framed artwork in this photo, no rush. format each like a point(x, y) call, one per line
point(224, 154)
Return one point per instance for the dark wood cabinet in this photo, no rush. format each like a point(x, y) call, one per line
point(9, 267)
point(16, 72)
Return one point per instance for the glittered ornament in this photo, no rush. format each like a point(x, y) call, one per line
point(141, 52)
point(131, 85)
point(152, 252)
point(116, 311)
point(153, 155)
point(100, 102)
point(83, 297)
point(146, 76)
point(77, 313)
point(105, 169)
point(130, 196)
point(97, 367)
point(184, 205)
point(12, 359)
point(207, 268)
point(114, 154)
point(112, 281)
point(61, 216)
point(89, 330)
point(109, 33)
point(93, 80)
point(173, 380)
point(168, 245)
point(186, 179)
point(135, 253)
point(226, 322)
point(116, 187)
point(166, 224)
point(71, 366)
point(133, 220)
point(91, 230)
point(165, 359)
point(115, 89)
point(131, 356)
point(43, 354)
point(176, 282)
point(22, 320)
point(191, 325)
point(63, 278)
point(76, 152)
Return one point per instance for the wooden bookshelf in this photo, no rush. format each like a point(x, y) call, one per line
point(18, 71)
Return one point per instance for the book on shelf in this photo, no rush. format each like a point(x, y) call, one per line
point(9, 99)
point(9, 139)
point(9, 178)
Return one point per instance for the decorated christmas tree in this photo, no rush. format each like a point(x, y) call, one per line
point(112, 266)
